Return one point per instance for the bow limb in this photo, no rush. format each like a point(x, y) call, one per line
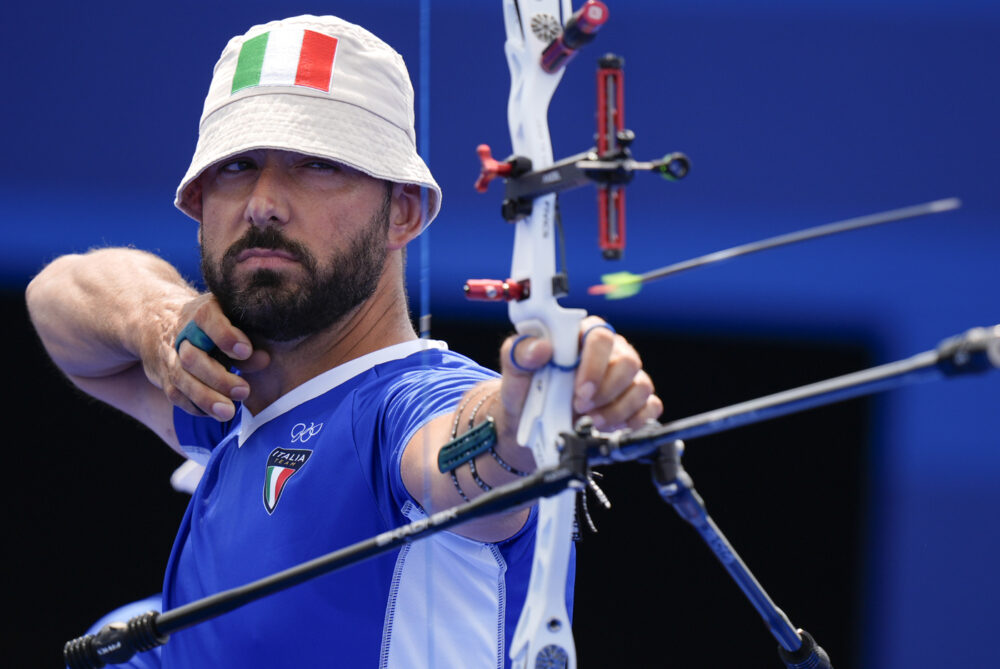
point(543, 631)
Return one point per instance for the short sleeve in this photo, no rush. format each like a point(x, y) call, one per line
point(418, 396)
point(198, 435)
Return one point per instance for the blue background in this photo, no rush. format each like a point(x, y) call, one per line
point(794, 114)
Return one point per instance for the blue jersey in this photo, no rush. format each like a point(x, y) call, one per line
point(317, 470)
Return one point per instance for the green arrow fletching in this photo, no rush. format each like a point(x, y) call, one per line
point(618, 285)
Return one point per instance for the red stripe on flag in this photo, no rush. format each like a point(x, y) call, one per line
point(316, 60)
point(282, 477)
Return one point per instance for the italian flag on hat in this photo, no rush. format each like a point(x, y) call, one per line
point(316, 85)
point(286, 57)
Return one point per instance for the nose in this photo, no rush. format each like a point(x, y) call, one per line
point(268, 202)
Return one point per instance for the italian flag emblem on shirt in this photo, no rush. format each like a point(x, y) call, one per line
point(286, 57)
point(281, 464)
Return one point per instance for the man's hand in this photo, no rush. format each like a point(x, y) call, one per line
point(109, 319)
point(190, 377)
point(610, 387)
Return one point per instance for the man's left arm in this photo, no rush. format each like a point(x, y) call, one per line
point(610, 386)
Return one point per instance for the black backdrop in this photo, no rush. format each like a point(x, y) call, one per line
point(91, 514)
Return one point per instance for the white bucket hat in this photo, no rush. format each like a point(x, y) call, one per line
point(316, 85)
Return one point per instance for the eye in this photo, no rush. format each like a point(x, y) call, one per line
point(236, 166)
point(323, 165)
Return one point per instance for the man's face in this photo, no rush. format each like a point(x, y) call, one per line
point(291, 243)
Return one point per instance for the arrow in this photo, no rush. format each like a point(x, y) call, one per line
point(619, 285)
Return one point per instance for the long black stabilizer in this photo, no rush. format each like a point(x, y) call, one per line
point(974, 352)
point(117, 642)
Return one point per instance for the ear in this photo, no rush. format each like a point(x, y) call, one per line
point(405, 221)
point(191, 198)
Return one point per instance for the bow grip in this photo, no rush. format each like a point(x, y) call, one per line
point(548, 407)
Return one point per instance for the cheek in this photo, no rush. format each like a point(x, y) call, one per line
point(213, 244)
point(222, 203)
point(215, 211)
point(324, 229)
point(221, 222)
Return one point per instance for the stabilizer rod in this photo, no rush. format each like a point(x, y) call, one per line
point(974, 352)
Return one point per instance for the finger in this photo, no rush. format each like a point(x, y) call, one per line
point(232, 341)
point(631, 405)
point(188, 391)
point(622, 372)
point(652, 410)
point(180, 400)
point(523, 355)
point(596, 345)
point(608, 365)
point(207, 370)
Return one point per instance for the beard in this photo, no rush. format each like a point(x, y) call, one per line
point(268, 305)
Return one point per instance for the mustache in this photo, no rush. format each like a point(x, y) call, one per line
point(268, 238)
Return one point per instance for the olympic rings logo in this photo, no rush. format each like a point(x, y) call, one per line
point(302, 434)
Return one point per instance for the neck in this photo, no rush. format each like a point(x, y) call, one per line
point(381, 321)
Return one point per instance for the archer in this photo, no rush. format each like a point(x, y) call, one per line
point(307, 188)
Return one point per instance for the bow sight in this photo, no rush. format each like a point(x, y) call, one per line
point(609, 165)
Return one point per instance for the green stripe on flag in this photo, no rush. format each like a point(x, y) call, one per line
point(249, 63)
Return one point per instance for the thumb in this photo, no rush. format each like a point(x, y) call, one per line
point(520, 357)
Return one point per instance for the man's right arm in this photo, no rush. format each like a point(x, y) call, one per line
point(109, 318)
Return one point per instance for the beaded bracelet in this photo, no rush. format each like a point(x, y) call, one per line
point(483, 485)
point(475, 409)
point(486, 487)
point(507, 467)
point(458, 416)
point(466, 447)
point(458, 486)
point(454, 431)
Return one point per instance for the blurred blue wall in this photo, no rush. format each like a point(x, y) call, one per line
point(794, 114)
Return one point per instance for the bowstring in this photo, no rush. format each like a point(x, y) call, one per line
point(424, 149)
point(424, 323)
